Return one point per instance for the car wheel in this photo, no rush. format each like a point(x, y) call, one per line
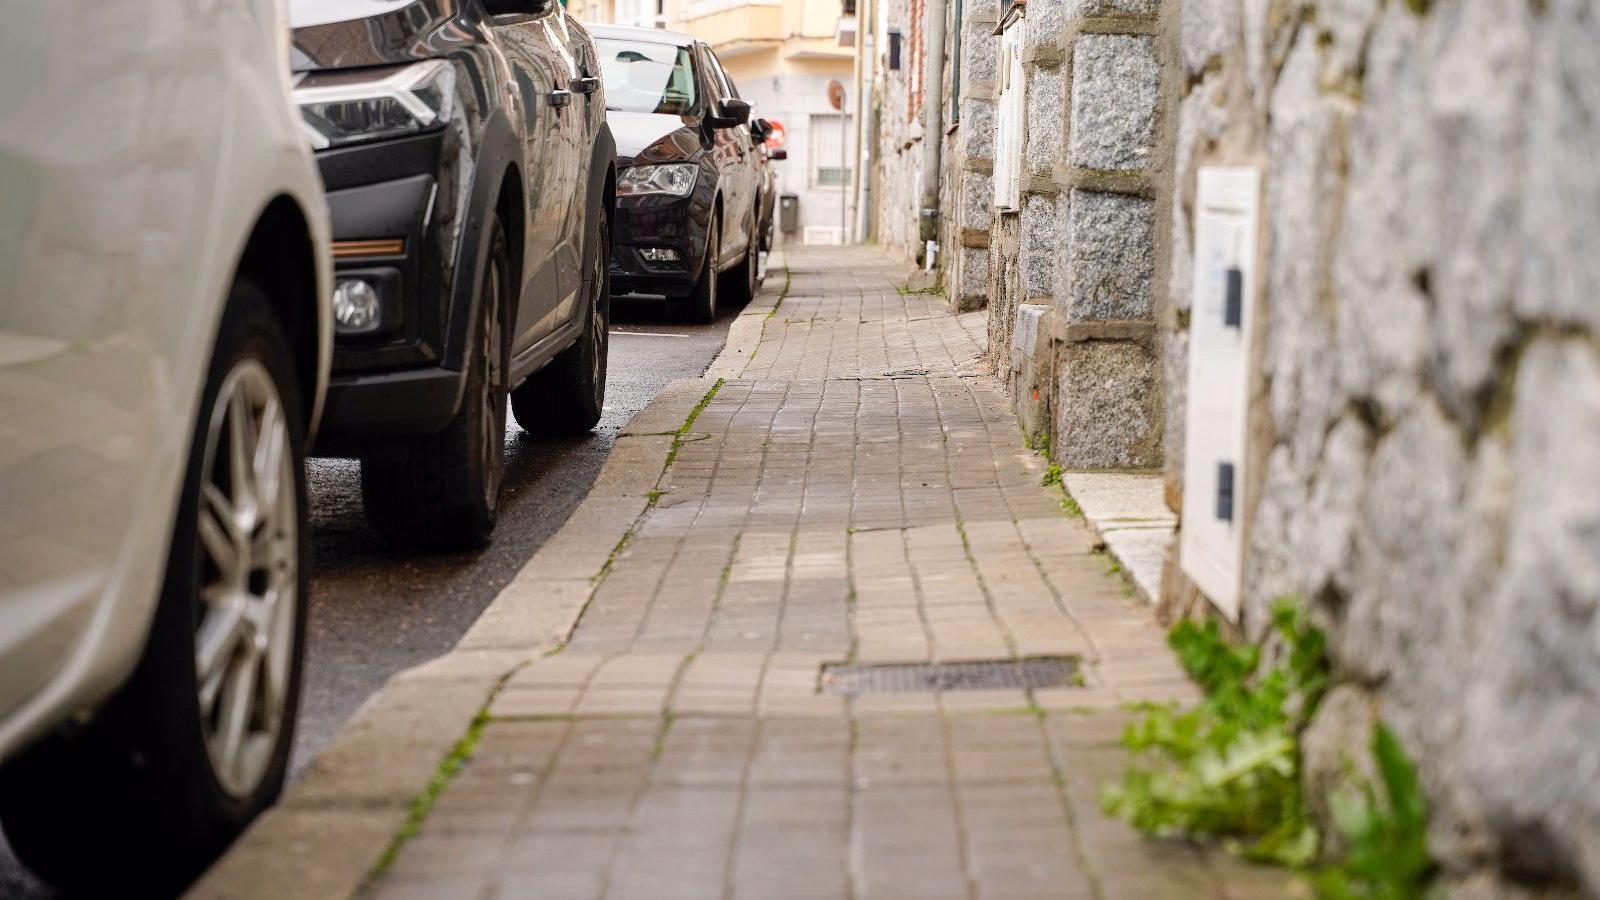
point(701, 304)
point(742, 281)
point(196, 743)
point(569, 395)
point(442, 491)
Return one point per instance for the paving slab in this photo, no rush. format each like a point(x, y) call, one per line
point(1128, 510)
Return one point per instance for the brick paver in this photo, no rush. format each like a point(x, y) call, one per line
point(859, 492)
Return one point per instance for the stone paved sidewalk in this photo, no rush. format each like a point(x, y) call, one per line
point(856, 490)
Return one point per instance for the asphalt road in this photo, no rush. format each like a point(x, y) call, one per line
point(376, 612)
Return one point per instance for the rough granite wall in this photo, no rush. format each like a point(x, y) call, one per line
point(968, 159)
point(897, 157)
point(1426, 420)
point(1084, 245)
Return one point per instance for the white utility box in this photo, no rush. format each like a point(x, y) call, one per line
point(1221, 321)
point(1010, 109)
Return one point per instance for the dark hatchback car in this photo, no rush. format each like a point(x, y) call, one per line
point(470, 173)
point(688, 177)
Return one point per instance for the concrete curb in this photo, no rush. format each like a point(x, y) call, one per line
point(1128, 512)
point(323, 837)
point(744, 335)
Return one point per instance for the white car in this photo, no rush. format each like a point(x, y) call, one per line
point(164, 345)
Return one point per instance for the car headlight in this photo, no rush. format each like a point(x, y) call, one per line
point(345, 108)
point(675, 180)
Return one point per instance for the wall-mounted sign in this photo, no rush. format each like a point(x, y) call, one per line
point(775, 134)
point(1221, 322)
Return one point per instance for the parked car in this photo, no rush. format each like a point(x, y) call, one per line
point(471, 176)
point(761, 131)
point(164, 342)
point(687, 171)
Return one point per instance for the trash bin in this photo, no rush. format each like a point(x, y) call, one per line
point(789, 213)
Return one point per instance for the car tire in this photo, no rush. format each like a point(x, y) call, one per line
point(156, 784)
point(441, 492)
point(742, 279)
point(568, 396)
point(701, 305)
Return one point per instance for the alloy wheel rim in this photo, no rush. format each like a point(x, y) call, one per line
point(248, 531)
point(597, 317)
point(493, 437)
point(711, 273)
point(752, 262)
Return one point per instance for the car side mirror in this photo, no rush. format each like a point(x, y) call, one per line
point(733, 113)
point(777, 153)
point(759, 129)
point(517, 7)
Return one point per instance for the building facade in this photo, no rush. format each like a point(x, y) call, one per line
point(1330, 269)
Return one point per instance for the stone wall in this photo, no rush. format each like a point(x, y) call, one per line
point(966, 191)
point(1424, 461)
point(1084, 244)
point(897, 158)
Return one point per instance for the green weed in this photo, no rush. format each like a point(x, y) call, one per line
point(1229, 767)
point(1385, 839)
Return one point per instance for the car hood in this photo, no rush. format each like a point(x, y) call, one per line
point(654, 137)
point(342, 34)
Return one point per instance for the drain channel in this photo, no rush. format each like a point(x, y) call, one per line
point(979, 675)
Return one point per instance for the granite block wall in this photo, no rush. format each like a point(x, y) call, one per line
point(1084, 242)
point(1424, 460)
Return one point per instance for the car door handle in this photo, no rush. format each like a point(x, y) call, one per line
point(588, 84)
point(560, 98)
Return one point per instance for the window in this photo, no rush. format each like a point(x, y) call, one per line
point(829, 160)
point(646, 77)
point(720, 78)
point(694, 9)
point(634, 12)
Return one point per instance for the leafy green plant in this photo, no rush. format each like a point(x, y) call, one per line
point(1230, 765)
point(1052, 476)
point(1386, 843)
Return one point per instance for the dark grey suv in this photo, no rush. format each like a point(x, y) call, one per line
point(471, 179)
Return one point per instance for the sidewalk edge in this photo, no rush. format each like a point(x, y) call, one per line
point(341, 817)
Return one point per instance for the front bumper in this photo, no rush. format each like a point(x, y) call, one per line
point(368, 408)
point(391, 381)
point(675, 223)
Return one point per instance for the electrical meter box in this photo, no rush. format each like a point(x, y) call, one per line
point(1221, 322)
point(1010, 109)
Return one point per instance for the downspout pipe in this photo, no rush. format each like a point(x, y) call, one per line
point(932, 115)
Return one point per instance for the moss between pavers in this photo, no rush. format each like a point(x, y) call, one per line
point(423, 803)
point(461, 753)
point(678, 439)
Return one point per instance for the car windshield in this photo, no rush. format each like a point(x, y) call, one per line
point(647, 77)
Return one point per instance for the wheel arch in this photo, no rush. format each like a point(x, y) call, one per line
point(281, 259)
point(603, 171)
point(511, 206)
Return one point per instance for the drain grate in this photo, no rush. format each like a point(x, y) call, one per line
point(981, 675)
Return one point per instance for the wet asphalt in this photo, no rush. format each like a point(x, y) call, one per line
point(377, 611)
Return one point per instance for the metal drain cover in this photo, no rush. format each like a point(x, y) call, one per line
point(980, 675)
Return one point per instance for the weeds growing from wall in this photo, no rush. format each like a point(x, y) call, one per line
point(1229, 767)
